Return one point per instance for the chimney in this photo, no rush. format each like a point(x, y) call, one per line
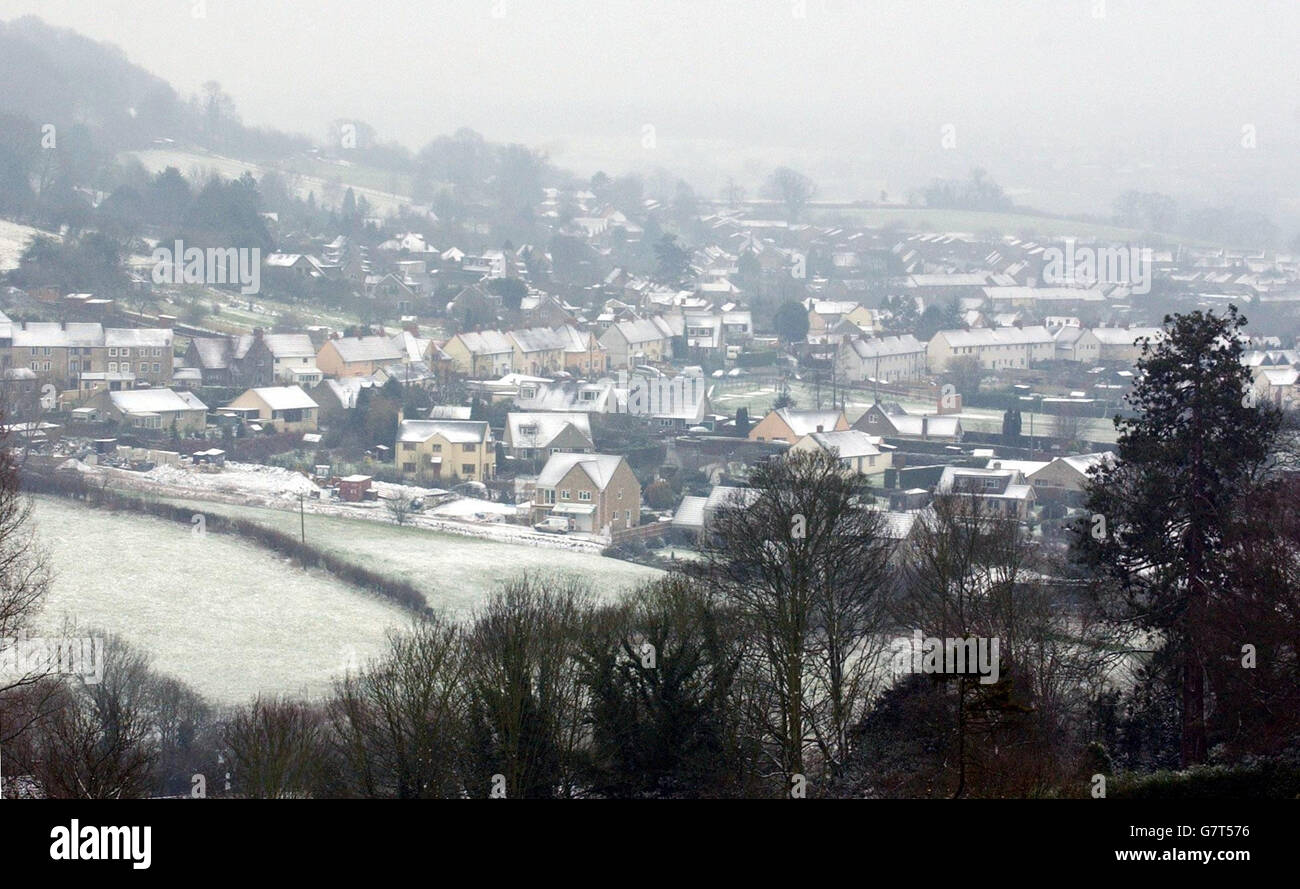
point(257, 333)
point(925, 427)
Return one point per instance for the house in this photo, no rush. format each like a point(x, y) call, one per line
point(995, 347)
point(1067, 475)
point(890, 359)
point(446, 449)
point(287, 408)
point(1277, 385)
point(1075, 343)
point(641, 341)
point(535, 394)
point(699, 513)
point(583, 353)
point(992, 493)
point(789, 425)
point(531, 436)
point(161, 410)
point(481, 354)
point(61, 351)
point(292, 357)
point(357, 356)
point(537, 350)
point(858, 452)
point(890, 420)
point(599, 492)
point(1123, 344)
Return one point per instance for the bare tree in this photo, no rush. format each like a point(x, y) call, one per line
point(792, 188)
point(400, 507)
point(396, 728)
point(527, 702)
point(275, 748)
point(805, 565)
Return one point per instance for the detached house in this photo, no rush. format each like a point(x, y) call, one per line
point(993, 493)
point(286, 408)
point(789, 425)
point(446, 449)
point(161, 410)
point(858, 452)
point(890, 420)
point(597, 491)
point(531, 436)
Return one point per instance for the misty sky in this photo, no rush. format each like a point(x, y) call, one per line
point(1065, 109)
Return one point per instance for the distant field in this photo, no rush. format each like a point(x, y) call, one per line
point(310, 175)
point(975, 222)
point(14, 239)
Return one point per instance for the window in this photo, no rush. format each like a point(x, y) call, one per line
point(628, 514)
point(157, 368)
point(469, 447)
point(112, 353)
point(564, 495)
point(618, 495)
point(584, 495)
point(408, 467)
point(467, 469)
point(72, 367)
point(144, 367)
point(528, 430)
point(437, 449)
point(112, 367)
point(157, 352)
point(408, 445)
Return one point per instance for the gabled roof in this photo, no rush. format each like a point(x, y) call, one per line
point(283, 398)
point(366, 348)
point(454, 431)
point(548, 426)
point(154, 401)
point(600, 468)
point(803, 423)
point(848, 443)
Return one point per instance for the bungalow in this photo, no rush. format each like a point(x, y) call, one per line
point(286, 408)
point(890, 420)
point(858, 452)
point(993, 493)
point(789, 425)
point(446, 449)
point(598, 492)
point(155, 409)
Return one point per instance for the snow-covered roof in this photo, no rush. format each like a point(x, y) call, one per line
point(154, 401)
point(454, 431)
point(284, 398)
point(599, 468)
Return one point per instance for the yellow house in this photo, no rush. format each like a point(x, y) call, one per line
point(790, 425)
point(538, 350)
point(287, 408)
point(481, 354)
point(446, 449)
point(357, 356)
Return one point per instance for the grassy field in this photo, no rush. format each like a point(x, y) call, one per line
point(227, 617)
point(456, 573)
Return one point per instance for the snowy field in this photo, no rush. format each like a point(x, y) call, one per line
point(227, 617)
point(454, 572)
point(14, 239)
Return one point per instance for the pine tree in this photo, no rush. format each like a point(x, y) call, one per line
point(1161, 513)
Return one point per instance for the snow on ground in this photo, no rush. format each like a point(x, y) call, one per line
point(456, 573)
point(257, 485)
point(225, 616)
point(13, 241)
